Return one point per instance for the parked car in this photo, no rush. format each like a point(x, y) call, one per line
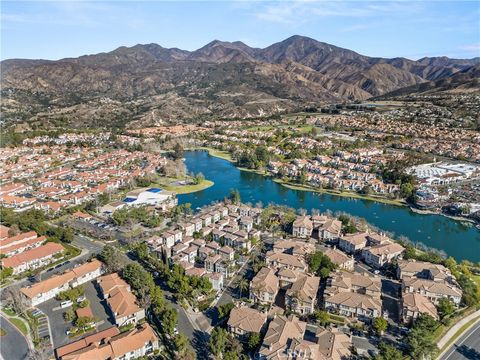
point(81, 298)
point(66, 303)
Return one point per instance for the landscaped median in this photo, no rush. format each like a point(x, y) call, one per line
point(456, 330)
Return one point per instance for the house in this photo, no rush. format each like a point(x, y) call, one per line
point(433, 290)
point(33, 259)
point(121, 301)
point(264, 287)
point(211, 261)
point(48, 289)
point(227, 253)
point(302, 295)
point(131, 344)
point(282, 260)
point(302, 227)
point(340, 259)
point(423, 270)
point(188, 228)
point(244, 320)
point(330, 230)
point(351, 304)
point(281, 333)
point(353, 295)
point(353, 243)
point(216, 279)
point(414, 305)
point(379, 255)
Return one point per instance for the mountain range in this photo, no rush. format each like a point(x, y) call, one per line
point(149, 84)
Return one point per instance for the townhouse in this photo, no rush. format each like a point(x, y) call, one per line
point(353, 295)
point(34, 258)
point(264, 287)
point(244, 320)
point(302, 227)
point(48, 289)
point(379, 255)
point(110, 345)
point(353, 243)
point(301, 296)
point(414, 305)
point(121, 301)
point(17, 244)
point(282, 260)
point(340, 259)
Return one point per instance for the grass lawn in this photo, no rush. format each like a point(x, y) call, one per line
point(20, 325)
point(8, 311)
point(187, 189)
point(225, 155)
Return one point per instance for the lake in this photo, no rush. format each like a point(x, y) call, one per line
point(455, 238)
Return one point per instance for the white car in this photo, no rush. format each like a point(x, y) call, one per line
point(376, 272)
point(81, 298)
point(65, 304)
point(175, 331)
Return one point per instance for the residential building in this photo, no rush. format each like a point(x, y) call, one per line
point(129, 345)
point(353, 243)
point(121, 301)
point(340, 259)
point(414, 305)
point(302, 295)
point(33, 259)
point(379, 255)
point(48, 289)
point(244, 320)
point(264, 287)
point(302, 227)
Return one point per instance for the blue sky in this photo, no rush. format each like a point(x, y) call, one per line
point(54, 30)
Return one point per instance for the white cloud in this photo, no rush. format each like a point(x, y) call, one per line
point(475, 48)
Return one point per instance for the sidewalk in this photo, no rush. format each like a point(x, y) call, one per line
point(453, 330)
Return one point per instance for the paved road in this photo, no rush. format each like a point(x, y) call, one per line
point(13, 345)
point(467, 347)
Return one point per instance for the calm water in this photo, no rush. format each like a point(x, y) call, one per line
point(456, 239)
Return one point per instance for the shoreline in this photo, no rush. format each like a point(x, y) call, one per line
point(294, 186)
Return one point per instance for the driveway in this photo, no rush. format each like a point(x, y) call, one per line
point(14, 345)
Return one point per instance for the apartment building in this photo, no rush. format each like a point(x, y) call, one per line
point(109, 345)
point(121, 301)
point(48, 289)
point(244, 320)
point(33, 259)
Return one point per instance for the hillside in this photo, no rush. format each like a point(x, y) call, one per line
point(148, 84)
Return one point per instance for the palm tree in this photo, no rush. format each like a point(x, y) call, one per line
point(243, 286)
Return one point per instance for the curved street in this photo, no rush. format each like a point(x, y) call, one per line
point(467, 346)
point(14, 345)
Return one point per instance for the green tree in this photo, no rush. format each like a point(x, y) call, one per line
point(113, 258)
point(253, 341)
point(420, 340)
point(379, 325)
point(168, 319)
point(243, 285)
point(224, 310)
point(181, 343)
point(322, 317)
point(388, 352)
point(445, 307)
point(234, 196)
point(218, 341)
point(177, 151)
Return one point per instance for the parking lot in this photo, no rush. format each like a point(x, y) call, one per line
point(59, 326)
